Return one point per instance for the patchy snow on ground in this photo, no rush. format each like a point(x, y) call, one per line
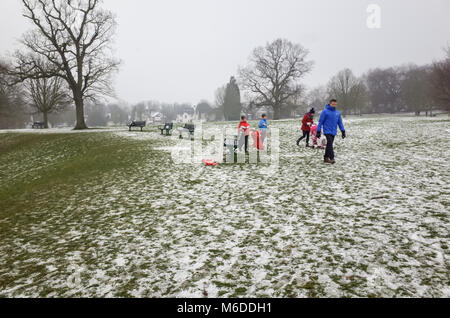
point(374, 224)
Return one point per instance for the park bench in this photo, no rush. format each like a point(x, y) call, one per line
point(166, 128)
point(38, 125)
point(140, 124)
point(190, 128)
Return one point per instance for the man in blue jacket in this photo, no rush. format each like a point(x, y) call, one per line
point(330, 119)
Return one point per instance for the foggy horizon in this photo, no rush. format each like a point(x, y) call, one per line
point(182, 51)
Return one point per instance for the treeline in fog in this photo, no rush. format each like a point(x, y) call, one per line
point(409, 88)
point(65, 66)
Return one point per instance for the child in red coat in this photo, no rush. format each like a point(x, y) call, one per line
point(307, 122)
point(244, 132)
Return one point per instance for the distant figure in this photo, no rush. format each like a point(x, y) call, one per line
point(330, 119)
point(307, 122)
point(244, 132)
point(263, 128)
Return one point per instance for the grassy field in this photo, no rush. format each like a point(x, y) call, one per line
point(107, 213)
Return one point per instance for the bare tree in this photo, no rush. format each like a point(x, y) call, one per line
point(13, 110)
point(384, 89)
point(74, 36)
point(273, 74)
point(440, 81)
point(416, 89)
point(317, 97)
point(349, 90)
point(47, 95)
point(220, 98)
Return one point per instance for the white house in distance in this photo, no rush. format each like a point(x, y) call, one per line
point(201, 112)
point(187, 115)
point(156, 117)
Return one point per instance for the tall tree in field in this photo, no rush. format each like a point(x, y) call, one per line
point(74, 36)
point(416, 89)
point(349, 90)
point(47, 95)
point(317, 97)
point(13, 110)
point(384, 89)
point(232, 106)
point(118, 115)
point(273, 73)
point(440, 81)
point(220, 98)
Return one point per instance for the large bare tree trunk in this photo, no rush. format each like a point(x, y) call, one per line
point(45, 115)
point(79, 105)
point(276, 113)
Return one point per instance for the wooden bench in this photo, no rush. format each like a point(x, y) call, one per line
point(38, 125)
point(140, 124)
point(187, 128)
point(166, 128)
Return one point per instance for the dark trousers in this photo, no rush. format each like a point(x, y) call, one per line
point(305, 135)
point(246, 143)
point(329, 152)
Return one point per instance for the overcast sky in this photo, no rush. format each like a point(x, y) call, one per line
point(182, 50)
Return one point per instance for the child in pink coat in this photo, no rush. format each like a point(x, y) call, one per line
point(315, 140)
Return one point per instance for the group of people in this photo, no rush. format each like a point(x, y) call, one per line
point(259, 135)
point(329, 121)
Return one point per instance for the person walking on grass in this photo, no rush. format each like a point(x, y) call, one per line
point(244, 132)
point(329, 120)
point(263, 127)
point(307, 122)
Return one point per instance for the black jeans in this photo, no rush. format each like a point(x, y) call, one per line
point(329, 151)
point(245, 143)
point(305, 134)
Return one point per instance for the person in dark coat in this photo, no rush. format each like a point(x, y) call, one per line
point(307, 122)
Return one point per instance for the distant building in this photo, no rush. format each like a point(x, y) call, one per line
point(201, 112)
point(187, 115)
point(156, 117)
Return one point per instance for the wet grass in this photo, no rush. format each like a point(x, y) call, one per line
point(134, 224)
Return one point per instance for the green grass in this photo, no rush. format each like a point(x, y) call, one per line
point(54, 168)
point(114, 205)
point(86, 160)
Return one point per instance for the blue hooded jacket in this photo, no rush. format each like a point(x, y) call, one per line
point(330, 119)
point(263, 124)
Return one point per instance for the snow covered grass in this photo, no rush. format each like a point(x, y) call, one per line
point(108, 213)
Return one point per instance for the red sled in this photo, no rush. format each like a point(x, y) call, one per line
point(209, 162)
point(257, 143)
